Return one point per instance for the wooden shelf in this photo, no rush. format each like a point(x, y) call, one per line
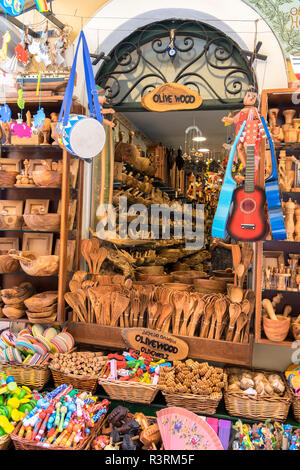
point(199, 348)
point(282, 291)
point(26, 320)
point(275, 343)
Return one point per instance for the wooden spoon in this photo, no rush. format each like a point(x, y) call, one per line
point(235, 294)
point(179, 299)
point(99, 259)
point(198, 311)
point(220, 309)
point(241, 322)
point(247, 256)
point(239, 272)
point(152, 309)
point(187, 312)
point(86, 246)
point(72, 301)
point(249, 295)
point(208, 312)
point(166, 312)
point(234, 313)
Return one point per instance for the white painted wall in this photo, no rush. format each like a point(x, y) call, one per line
point(119, 18)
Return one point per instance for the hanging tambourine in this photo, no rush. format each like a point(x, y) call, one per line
point(82, 136)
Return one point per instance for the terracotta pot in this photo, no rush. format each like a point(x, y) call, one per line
point(276, 330)
point(296, 330)
point(209, 285)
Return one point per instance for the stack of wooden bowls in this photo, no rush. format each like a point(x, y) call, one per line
point(14, 299)
point(208, 286)
point(42, 308)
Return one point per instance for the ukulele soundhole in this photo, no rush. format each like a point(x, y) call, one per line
point(248, 206)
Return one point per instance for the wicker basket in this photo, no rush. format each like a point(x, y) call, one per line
point(80, 382)
point(133, 392)
point(296, 408)
point(258, 408)
point(34, 377)
point(5, 442)
point(23, 444)
point(195, 403)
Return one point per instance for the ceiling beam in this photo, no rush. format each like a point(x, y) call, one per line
point(18, 24)
point(52, 18)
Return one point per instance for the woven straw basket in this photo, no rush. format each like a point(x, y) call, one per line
point(258, 408)
point(34, 377)
point(195, 403)
point(296, 408)
point(133, 392)
point(5, 442)
point(23, 444)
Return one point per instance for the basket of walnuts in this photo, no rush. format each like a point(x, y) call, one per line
point(80, 369)
point(193, 385)
point(257, 394)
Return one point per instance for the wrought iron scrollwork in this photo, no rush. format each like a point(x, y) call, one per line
point(207, 58)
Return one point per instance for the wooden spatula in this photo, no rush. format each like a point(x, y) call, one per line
point(119, 303)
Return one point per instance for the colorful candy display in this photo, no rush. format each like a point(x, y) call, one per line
point(15, 403)
point(63, 417)
point(265, 436)
point(134, 366)
point(34, 344)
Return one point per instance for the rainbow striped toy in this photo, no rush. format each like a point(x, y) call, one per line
point(41, 5)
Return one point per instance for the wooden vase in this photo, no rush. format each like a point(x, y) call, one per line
point(291, 135)
point(288, 115)
point(273, 115)
point(297, 225)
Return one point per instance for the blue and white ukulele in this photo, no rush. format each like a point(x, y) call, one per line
point(225, 198)
point(273, 195)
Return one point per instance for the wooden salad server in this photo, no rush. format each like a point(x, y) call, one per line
point(179, 300)
point(187, 313)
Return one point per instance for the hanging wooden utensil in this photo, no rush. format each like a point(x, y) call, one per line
point(246, 256)
point(239, 272)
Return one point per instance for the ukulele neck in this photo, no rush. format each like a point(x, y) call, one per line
point(250, 169)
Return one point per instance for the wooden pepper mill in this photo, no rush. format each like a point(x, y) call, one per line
point(297, 224)
point(290, 207)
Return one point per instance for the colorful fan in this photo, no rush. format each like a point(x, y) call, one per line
point(181, 429)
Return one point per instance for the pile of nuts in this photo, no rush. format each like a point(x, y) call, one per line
point(255, 383)
point(79, 363)
point(193, 377)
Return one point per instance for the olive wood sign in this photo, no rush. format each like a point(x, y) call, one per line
point(155, 343)
point(171, 97)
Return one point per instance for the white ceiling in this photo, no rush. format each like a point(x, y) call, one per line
point(169, 128)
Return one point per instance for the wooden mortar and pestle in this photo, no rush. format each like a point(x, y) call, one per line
point(276, 327)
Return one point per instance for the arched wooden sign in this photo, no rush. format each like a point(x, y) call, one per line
point(171, 97)
point(155, 343)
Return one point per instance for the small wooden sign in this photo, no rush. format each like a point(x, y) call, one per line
point(171, 97)
point(155, 343)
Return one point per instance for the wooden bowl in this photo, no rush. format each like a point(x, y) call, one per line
point(209, 285)
point(187, 277)
point(223, 274)
point(276, 330)
point(42, 314)
point(44, 222)
point(13, 312)
point(11, 222)
point(151, 269)
point(39, 265)
point(50, 319)
point(156, 279)
point(38, 302)
point(47, 178)
point(8, 264)
point(296, 330)
point(8, 178)
point(177, 286)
